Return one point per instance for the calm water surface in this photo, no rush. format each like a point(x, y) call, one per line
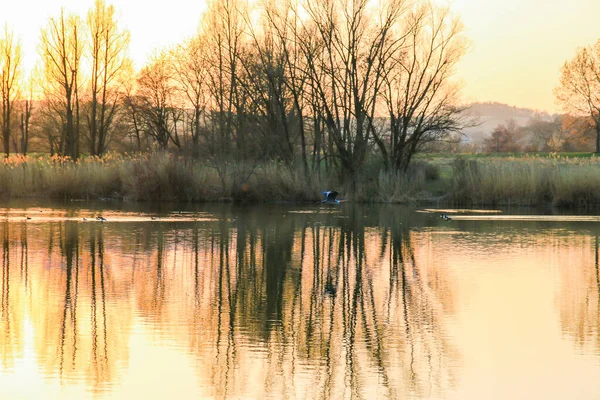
point(298, 302)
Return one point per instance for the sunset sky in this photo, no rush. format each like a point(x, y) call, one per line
point(517, 49)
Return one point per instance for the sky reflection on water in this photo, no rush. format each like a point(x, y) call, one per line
point(296, 302)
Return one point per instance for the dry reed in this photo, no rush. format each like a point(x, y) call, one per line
point(529, 180)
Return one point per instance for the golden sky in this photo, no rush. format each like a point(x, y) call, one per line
point(518, 46)
point(153, 23)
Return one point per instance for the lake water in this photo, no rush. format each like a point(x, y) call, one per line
point(298, 302)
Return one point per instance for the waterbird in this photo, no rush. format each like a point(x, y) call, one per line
point(330, 197)
point(153, 218)
point(329, 288)
point(100, 218)
point(445, 217)
point(84, 219)
point(28, 217)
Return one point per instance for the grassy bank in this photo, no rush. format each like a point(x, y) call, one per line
point(463, 181)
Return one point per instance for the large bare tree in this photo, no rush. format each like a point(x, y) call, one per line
point(579, 89)
point(271, 67)
point(284, 27)
point(419, 95)
point(223, 26)
point(109, 65)
point(10, 68)
point(61, 50)
point(346, 68)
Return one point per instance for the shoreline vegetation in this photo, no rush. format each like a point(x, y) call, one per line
point(520, 180)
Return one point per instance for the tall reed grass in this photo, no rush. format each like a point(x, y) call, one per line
point(166, 177)
point(529, 180)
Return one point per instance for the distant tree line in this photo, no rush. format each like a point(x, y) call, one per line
point(542, 134)
point(578, 94)
point(321, 83)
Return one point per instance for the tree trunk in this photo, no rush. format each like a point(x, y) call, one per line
point(196, 134)
point(597, 137)
point(6, 127)
point(6, 140)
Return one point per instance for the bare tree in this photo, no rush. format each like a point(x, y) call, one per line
point(10, 64)
point(271, 77)
point(223, 26)
point(421, 101)
point(157, 106)
point(109, 64)
point(132, 106)
point(504, 138)
point(49, 122)
point(579, 89)
point(26, 112)
point(347, 72)
point(190, 62)
point(579, 132)
point(283, 24)
point(61, 50)
point(543, 134)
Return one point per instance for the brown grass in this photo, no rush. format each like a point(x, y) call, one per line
point(156, 177)
point(558, 181)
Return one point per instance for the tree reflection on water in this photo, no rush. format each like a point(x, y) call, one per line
point(579, 299)
point(268, 303)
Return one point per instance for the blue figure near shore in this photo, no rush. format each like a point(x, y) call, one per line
point(330, 197)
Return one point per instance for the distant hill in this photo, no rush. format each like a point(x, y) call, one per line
point(488, 115)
